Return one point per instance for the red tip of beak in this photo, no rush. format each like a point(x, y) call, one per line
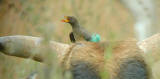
point(63, 20)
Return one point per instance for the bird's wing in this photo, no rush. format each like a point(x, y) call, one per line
point(86, 34)
point(71, 36)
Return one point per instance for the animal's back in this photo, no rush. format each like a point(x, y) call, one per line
point(86, 61)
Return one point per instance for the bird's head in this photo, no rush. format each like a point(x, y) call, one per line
point(70, 19)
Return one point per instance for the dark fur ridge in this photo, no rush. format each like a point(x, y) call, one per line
point(83, 70)
point(133, 69)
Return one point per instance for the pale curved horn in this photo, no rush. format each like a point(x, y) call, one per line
point(151, 47)
point(24, 46)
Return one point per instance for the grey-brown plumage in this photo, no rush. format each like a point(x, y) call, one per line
point(79, 33)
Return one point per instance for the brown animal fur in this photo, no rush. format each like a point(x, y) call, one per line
point(93, 53)
point(86, 51)
point(124, 51)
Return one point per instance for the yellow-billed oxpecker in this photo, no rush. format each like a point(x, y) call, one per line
point(79, 33)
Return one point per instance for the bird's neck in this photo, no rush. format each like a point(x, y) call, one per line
point(75, 25)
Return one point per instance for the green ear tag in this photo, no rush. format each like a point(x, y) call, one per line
point(95, 38)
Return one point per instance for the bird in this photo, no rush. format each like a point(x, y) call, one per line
point(79, 33)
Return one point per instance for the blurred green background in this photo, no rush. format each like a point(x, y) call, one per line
point(109, 18)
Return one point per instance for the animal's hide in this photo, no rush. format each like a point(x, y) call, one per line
point(126, 61)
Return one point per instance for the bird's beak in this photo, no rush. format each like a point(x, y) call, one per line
point(65, 20)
